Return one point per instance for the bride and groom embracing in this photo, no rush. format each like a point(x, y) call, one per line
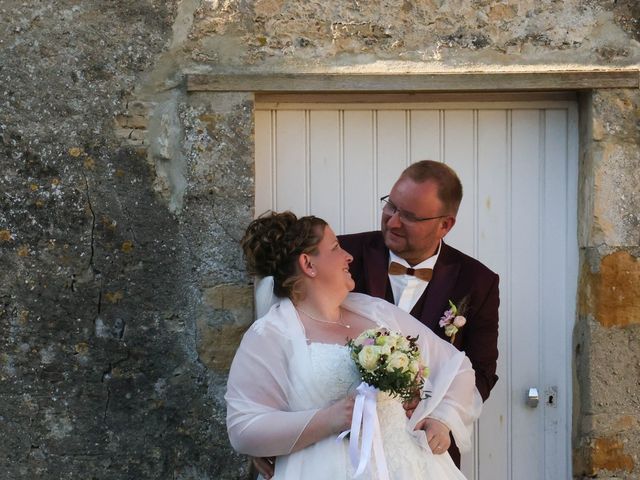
point(291, 385)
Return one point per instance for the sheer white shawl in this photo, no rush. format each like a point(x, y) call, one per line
point(270, 396)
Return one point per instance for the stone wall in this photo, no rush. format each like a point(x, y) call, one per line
point(114, 249)
point(607, 334)
point(122, 198)
point(424, 34)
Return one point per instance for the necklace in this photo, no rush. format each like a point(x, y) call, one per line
point(338, 322)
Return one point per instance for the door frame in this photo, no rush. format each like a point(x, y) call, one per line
point(466, 102)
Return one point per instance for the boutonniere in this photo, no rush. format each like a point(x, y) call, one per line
point(453, 319)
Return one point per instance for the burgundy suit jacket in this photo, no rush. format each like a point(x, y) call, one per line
point(455, 276)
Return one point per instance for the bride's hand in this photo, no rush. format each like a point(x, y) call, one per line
point(328, 421)
point(437, 434)
point(340, 413)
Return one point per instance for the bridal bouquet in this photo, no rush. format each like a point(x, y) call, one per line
point(389, 362)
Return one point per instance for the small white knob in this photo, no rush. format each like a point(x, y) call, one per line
point(533, 398)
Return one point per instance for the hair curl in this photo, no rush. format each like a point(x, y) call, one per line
point(272, 244)
point(449, 186)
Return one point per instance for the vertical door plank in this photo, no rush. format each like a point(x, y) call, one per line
point(493, 210)
point(391, 148)
point(291, 169)
point(570, 265)
point(524, 314)
point(425, 135)
point(361, 212)
point(264, 161)
point(325, 166)
point(459, 154)
point(554, 294)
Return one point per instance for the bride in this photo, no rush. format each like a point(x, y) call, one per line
point(291, 385)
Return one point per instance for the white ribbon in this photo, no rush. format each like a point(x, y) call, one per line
point(365, 414)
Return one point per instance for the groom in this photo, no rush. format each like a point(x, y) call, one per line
point(407, 263)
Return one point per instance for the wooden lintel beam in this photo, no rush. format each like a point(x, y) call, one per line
point(415, 82)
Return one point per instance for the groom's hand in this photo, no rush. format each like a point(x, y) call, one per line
point(437, 434)
point(410, 405)
point(264, 466)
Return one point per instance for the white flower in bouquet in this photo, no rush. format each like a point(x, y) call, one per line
point(398, 361)
point(368, 357)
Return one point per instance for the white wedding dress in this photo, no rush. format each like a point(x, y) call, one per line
point(278, 381)
point(335, 371)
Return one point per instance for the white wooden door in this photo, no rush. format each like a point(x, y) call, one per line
point(518, 165)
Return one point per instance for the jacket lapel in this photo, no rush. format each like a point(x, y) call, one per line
point(376, 266)
point(440, 288)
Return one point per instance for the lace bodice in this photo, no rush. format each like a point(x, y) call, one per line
point(333, 370)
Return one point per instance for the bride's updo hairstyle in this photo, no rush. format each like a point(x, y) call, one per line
point(272, 244)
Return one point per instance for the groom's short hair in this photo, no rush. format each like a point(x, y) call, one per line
point(449, 186)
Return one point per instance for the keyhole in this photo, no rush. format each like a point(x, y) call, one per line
point(552, 395)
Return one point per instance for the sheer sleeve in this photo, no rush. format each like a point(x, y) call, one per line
point(260, 420)
point(455, 400)
point(453, 397)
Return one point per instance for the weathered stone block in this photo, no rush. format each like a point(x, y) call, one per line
point(217, 345)
point(217, 340)
point(616, 115)
point(608, 454)
point(236, 299)
point(612, 295)
point(131, 136)
point(609, 373)
point(608, 424)
point(614, 197)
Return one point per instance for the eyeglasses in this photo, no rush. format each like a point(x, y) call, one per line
point(388, 208)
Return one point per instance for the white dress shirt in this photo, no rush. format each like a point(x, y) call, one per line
point(407, 289)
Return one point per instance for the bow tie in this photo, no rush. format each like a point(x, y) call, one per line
point(421, 273)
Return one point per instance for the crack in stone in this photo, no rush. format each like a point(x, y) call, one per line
point(221, 224)
point(106, 405)
point(99, 300)
point(93, 220)
point(106, 375)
